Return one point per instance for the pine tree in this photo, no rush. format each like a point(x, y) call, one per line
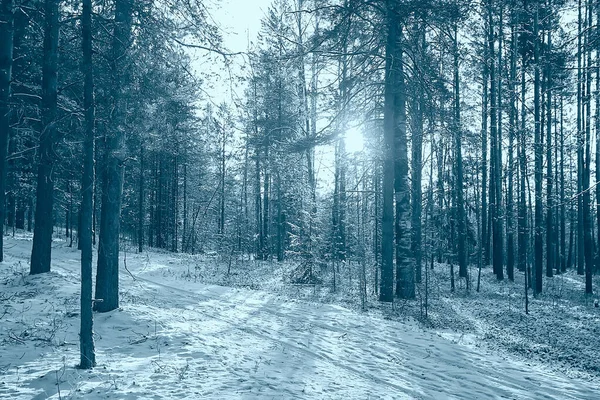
point(44, 221)
point(6, 61)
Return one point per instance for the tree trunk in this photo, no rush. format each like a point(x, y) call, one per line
point(417, 158)
point(493, 213)
point(587, 218)
point(175, 205)
point(405, 268)
point(141, 203)
point(222, 187)
point(460, 206)
point(563, 224)
point(280, 222)
point(6, 61)
point(266, 250)
point(86, 338)
point(550, 258)
point(538, 255)
point(42, 234)
point(522, 219)
point(597, 95)
point(341, 232)
point(510, 249)
point(580, 145)
point(498, 249)
point(484, 143)
point(386, 291)
point(185, 202)
point(107, 277)
point(258, 210)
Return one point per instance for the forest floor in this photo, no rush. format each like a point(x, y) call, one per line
point(199, 327)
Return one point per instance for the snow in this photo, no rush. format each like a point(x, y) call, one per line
point(180, 335)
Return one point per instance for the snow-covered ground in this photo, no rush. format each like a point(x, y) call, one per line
point(179, 335)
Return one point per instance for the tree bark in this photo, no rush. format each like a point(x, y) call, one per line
point(522, 218)
point(580, 145)
point(405, 268)
point(42, 235)
point(386, 291)
point(493, 206)
point(587, 218)
point(538, 255)
point(417, 157)
point(140, 235)
point(563, 224)
point(484, 144)
point(597, 95)
point(498, 248)
point(550, 259)
point(107, 277)
point(6, 62)
point(86, 338)
point(510, 236)
point(460, 206)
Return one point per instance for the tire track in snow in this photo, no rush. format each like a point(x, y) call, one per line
point(483, 388)
point(322, 357)
point(434, 384)
point(192, 297)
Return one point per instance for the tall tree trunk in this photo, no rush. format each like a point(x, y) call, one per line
point(107, 276)
point(184, 233)
point(70, 212)
point(563, 224)
point(587, 218)
point(340, 157)
point(258, 210)
point(484, 144)
point(95, 197)
point(498, 217)
point(550, 258)
point(6, 61)
point(341, 233)
point(522, 219)
point(556, 179)
point(580, 144)
point(386, 291)
point(438, 146)
point(260, 241)
point(460, 206)
point(493, 206)
point(376, 227)
point(597, 95)
point(86, 339)
point(510, 249)
point(280, 222)
point(572, 217)
point(222, 188)
point(41, 252)
point(141, 203)
point(417, 158)
point(158, 225)
point(538, 254)
point(175, 204)
point(266, 209)
point(405, 267)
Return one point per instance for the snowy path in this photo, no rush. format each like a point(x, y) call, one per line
point(180, 339)
point(377, 356)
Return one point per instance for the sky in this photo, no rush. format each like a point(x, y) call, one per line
point(238, 19)
point(240, 22)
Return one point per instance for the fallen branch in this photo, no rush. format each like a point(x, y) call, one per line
point(15, 338)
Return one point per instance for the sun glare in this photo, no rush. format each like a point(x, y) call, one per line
point(354, 140)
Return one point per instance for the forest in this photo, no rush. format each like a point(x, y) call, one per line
point(416, 167)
